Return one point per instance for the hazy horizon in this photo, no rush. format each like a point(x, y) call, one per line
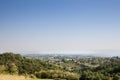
point(82, 53)
point(60, 26)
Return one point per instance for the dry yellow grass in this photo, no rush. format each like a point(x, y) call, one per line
point(16, 77)
point(12, 77)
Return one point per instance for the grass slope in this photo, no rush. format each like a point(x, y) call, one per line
point(16, 77)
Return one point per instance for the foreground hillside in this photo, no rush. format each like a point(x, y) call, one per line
point(16, 77)
point(12, 77)
point(34, 68)
point(94, 68)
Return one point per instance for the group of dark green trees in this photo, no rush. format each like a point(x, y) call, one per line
point(107, 69)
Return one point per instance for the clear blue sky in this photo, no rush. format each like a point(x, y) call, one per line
point(59, 25)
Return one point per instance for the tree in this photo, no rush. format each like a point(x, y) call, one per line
point(2, 68)
point(116, 77)
point(12, 68)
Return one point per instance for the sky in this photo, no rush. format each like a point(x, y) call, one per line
point(59, 25)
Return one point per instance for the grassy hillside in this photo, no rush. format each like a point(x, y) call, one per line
point(12, 77)
point(16, 77)
point(34, 68)
point(78, 69)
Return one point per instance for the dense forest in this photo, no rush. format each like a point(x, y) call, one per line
point(93, 68)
